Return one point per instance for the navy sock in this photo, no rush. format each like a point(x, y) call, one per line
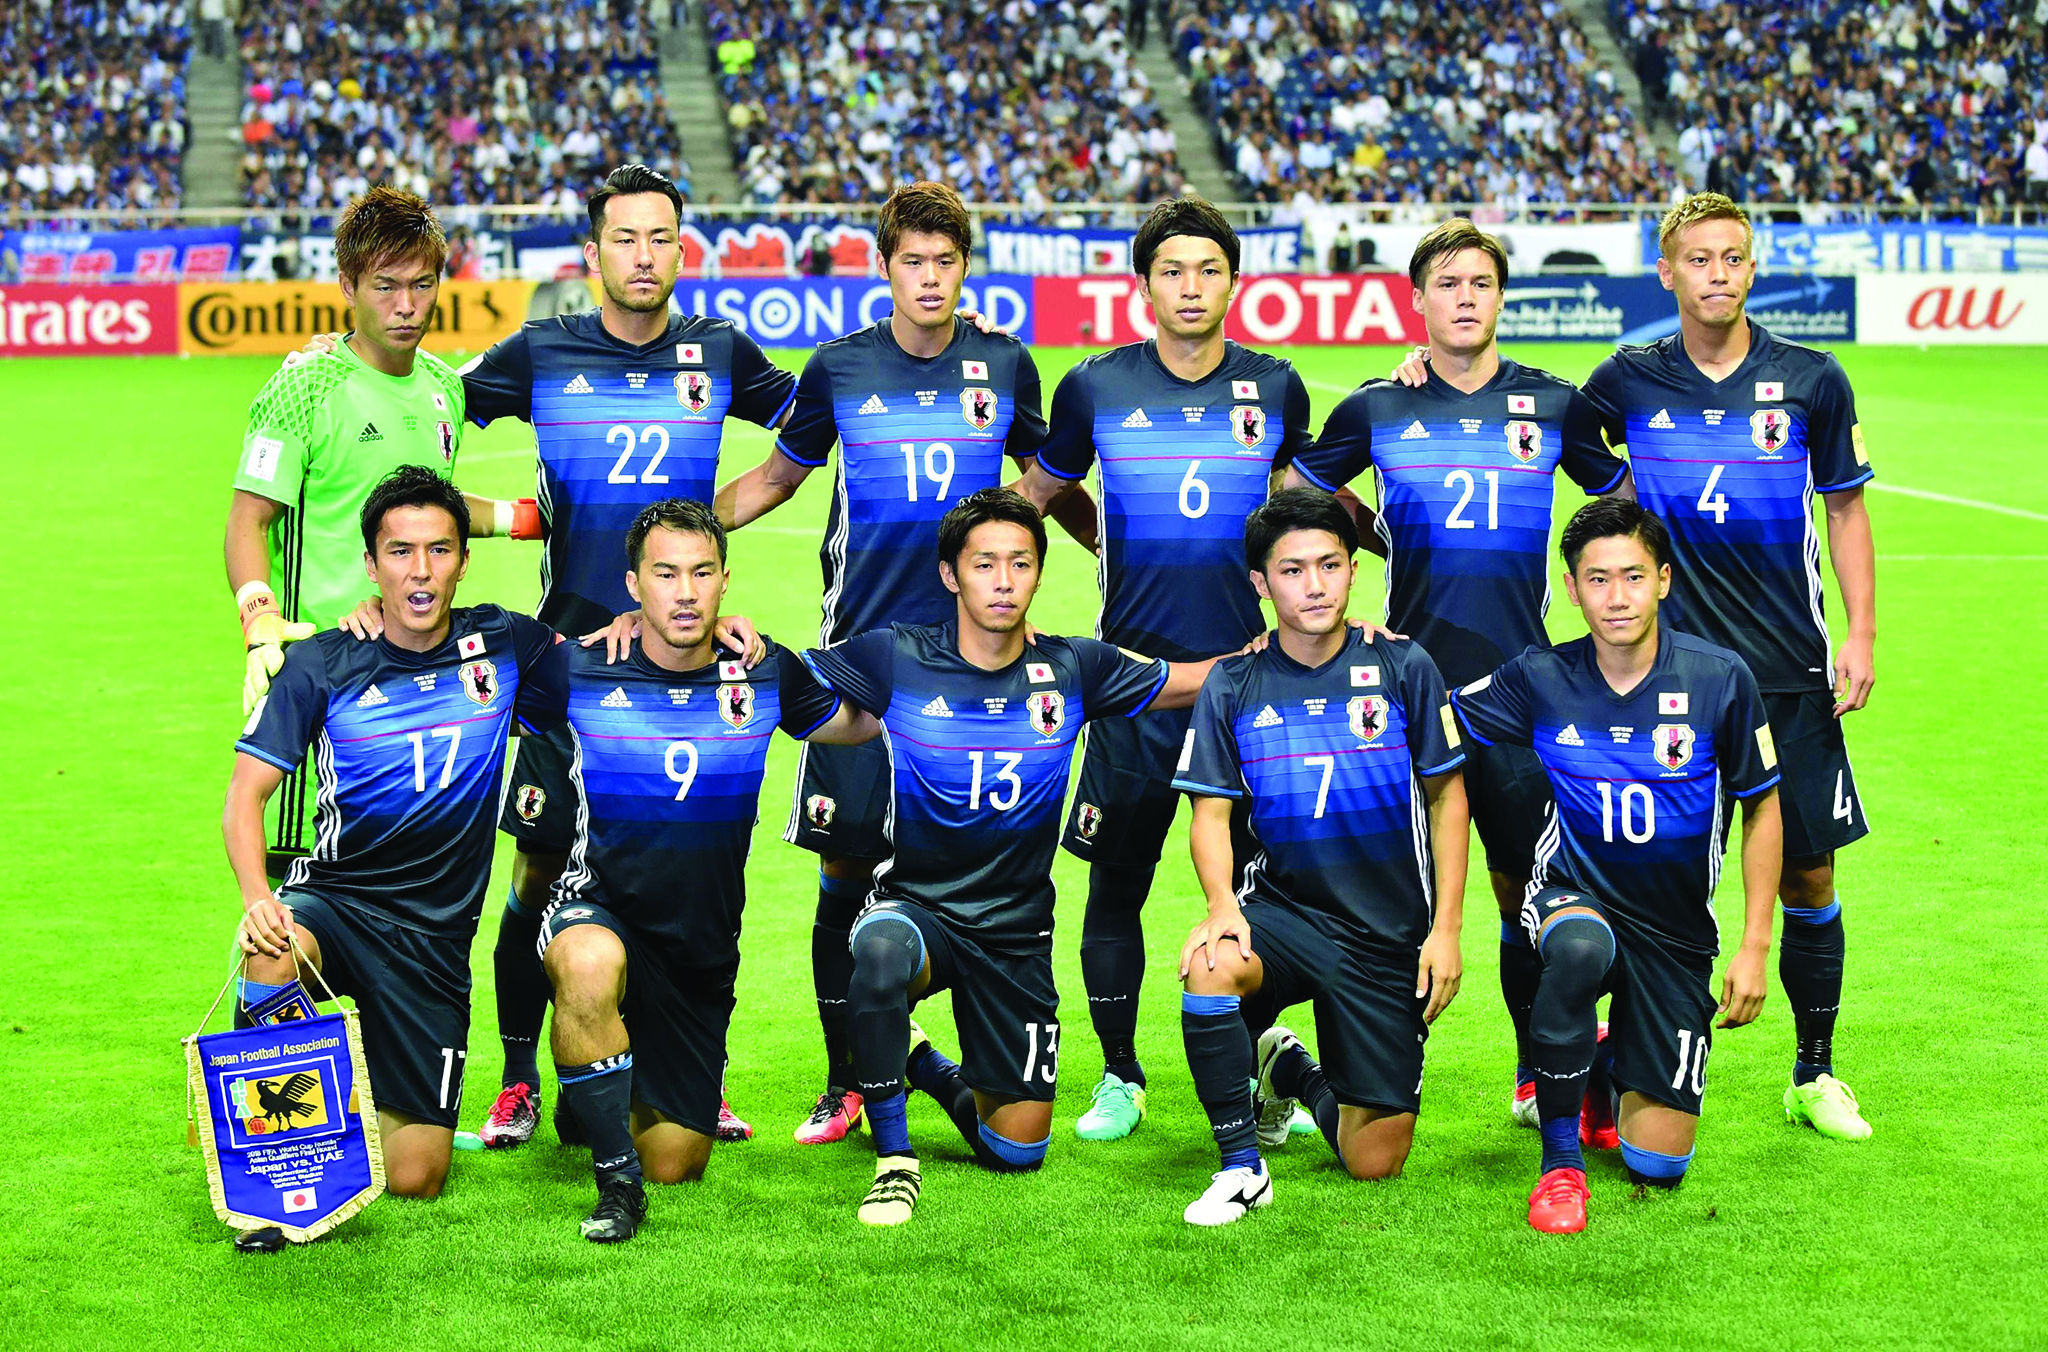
point(891, 1125)
point(1113, 962)
point(1563, 1030)
point(1220, 1055)
point(523, 992)
point(1297, 1075)
point(600, 1094)
point(1810, 968)
point(1561, 1144)
point(839, 903)
point(1520, 970)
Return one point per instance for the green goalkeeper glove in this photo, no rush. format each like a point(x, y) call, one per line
point(265, 631)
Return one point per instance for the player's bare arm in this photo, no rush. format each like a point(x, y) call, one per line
point(1215, 863)
point(1442, 967)
point(759, 491)
point(266, 922)
point(1855, 561)
point(1066, 501)
point(265, 631)
point(848, 727)
point(1763, 856)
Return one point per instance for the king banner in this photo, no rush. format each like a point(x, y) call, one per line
point(284, 1113)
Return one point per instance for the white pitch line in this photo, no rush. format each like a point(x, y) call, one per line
point(1962, 558)
point(1998, 507)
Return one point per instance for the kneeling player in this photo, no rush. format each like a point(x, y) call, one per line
point(408, 734)
point(1645, 734)
point(1338, 740)
point(980, 737)
point(668, 750)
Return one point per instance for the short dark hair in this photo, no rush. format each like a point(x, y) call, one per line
point(679, 514)
point(1293, 509)
point(978, 509)
point(413, 486)
point(625, 181)
point(1183, 215)
point(387, 225)
point(925, 209)
point(1605, 517)
point(1452, 237)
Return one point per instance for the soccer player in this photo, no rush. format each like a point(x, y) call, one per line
point(1464, 464)
point(408, 737)
point(979, 733)
point(668, 750)
point(924, 408)
point(1645, 733)
point(1731, 431)
point(1340, 742)
point(1188, 428)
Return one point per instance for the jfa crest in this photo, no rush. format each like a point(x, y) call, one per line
point(1673, 744)
point(1368, 716)
point(978, 406)
point(445, 434)
point(1525, 440)
point(528, 800)
point(1248, 424)
point(1769, 428)
point(693, 390)
point(1048, 710)
point(480, 681)
point(819, 810)
point(292, 1102)
point(1087, 820)
point(736, 704)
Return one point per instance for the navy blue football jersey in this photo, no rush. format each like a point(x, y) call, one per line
point(618, 427)
point(1464, 486)
point(1183, 464)
point(409, 752)
point(1642, 780)
point(978, 764)
point(916, 435)
point(1731, 467)
point(669, 767)
point(1331, 758)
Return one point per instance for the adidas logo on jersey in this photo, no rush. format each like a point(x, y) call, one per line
point(874, 405)
point(617, 699)
point(578, 386)
point(370, 433)
point(1137, 419)
point(1269, 717)
point(1570, 736)
point(1662, 422)
point(937, 708)
point(1415, 431)
point(371, 698)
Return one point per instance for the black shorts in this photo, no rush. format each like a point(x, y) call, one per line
point(841, 806)
point(1127, 801)
point(1369, 1028)
point(412, 990)
point(1660, 1025)
point(1004, 1005)
point(1510, 799)
point(539, 810)
point(1817, 794)
point(676, 1017)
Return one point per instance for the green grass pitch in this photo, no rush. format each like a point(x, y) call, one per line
point(116, 728)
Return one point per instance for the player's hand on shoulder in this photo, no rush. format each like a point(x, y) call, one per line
point(619, 636)
point(319, 345)
point(737, 632)
point(1220, 927)
point(266, 633)
point(266, 927)
point(1742, 989)
point(1855, 674)
point(980, 321)
point(1414, 368)
point(1438, 973)
point(365, 622)
point(1375, 631)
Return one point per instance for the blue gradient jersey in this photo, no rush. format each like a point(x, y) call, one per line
point(1731, 467)
point(915, 436)
point(669, 767)
point(1183, 464)
point(1641, 780)
point(1331, 758)
point(618, 427)
point(978, 764)
point(409, 751)
point(1465, 491)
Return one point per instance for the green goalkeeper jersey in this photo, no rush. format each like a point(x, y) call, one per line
point(321, 434)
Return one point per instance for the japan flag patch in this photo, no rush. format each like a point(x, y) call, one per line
point(1522, 403)
point(1672, 702)
point(974, 370)
point(1365, 676)
point(732, 671)
point(470, 645)
point(689, 354)
point(1038, 671)
point(1769, 391)
point(1244, 389)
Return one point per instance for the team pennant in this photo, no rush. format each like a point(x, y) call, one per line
point(974, 370)
point(470, 645)
point(1672, 702)
point(1522, 403)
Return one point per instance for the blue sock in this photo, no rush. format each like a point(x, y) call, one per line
point(256, 992)
point(891, 1125)
point(1247, 1158)
point(1561, 1144)
point(1652, 1169)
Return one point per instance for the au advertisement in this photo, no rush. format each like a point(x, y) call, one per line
point(273, 318)
point(1961, 308)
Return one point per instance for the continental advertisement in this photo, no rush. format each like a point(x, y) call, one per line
point(273, 318)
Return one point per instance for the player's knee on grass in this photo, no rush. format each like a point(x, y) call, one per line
point(1375, 1143)
point(587, 966)
point(416, 1155)
point(1807, 882)
point(1013, 1136)
point(1576, 948)
point(888, 954)
point(669, 1151)
point(283, 968)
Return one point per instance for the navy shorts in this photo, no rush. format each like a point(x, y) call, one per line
point(1510, 799)
point(539, 810)
point(842, 801)
point(1817, 792)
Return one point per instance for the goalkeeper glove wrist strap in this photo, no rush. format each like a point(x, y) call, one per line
point(253, 600)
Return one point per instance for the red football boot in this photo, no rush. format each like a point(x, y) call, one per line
point(1558, 1205)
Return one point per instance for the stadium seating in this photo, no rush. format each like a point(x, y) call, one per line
point(1846, 101)
point(476, 103)
point(1318, 101)
point(92, 104)
point(840, 100)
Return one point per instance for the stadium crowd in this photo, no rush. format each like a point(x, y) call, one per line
point(1040, 103)
point(92, 103)
point(1318, 101)
point(1934, 104)
point(478, 103)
